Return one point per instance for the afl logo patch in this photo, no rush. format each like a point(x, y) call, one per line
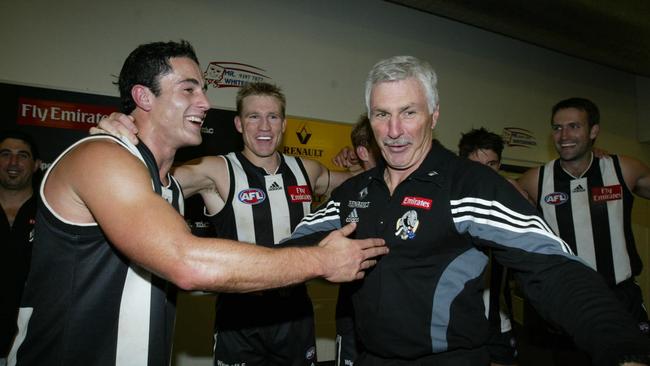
point(556, 198)
point(251, 196)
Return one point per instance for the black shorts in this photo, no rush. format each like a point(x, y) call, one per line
point(291, 343)
point(269, 328)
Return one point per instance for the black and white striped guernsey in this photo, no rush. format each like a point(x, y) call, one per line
point(263, 208)
point(87, 304)
point(592, 213)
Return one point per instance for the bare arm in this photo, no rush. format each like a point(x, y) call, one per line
point(528, 183)
point(208, 173)
point(117, 195)
point(520, 190)
point(636, 175)
point(323, 180)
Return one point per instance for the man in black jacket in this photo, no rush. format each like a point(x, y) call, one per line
point(438, 213)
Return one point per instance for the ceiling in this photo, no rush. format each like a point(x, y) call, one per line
point(615, 33)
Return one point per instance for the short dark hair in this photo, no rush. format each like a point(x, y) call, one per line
point(260, 88)
point(362, 135)
point(583, 104)
point(479, 139)
point(146, 64)
point(20, 135)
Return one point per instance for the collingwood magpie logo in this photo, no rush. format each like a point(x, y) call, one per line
point(407, 225)
point(578, 188)
point(274, 187)
point(303, 134)
point(353, 216)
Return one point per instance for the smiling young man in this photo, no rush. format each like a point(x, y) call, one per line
point(439, 213)
point(272, 327)
point(587, 200)
point(257, 196)
point(18, 163)
point(110, 244)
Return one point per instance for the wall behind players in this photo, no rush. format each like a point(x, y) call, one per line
point(320, 52)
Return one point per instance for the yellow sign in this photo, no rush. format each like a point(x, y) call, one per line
point(316, 140)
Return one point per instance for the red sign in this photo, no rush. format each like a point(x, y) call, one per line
point(609, 193)
point(299, 193)
point(418, 202)
point(58, 114)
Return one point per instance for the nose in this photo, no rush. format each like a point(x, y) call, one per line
point(265, 123)
point(394, 127)
point(14, 159)
point(564, 133)
point(202, 102)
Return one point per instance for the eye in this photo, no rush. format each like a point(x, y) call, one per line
point(380, 115)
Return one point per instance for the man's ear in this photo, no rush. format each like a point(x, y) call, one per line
point(434, 117)
point(593, 132)
point(238, 125)
point(142, 96)
point(362, 153)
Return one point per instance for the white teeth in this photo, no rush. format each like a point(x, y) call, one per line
point(194, 119)
point(264, 138)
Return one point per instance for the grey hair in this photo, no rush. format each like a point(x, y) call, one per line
point(400, 68)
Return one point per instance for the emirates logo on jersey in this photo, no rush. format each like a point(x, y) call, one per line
point(418, 202)
point(251, 196)
point(556, 198)
point(609, 193)
point(299, 193)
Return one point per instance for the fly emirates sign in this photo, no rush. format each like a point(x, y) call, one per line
point(59, 114)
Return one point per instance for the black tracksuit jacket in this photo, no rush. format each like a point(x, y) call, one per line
point(424, 296)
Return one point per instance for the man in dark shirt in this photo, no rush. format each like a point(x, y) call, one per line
point(439, 213)
point(18, 163)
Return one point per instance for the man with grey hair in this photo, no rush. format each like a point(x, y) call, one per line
point(439, 213)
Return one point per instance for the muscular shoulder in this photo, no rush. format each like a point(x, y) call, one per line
point(96, 155)
point(92, 173)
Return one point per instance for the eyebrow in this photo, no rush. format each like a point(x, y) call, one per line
point(401, 109)
point(18, 151)
point(195, 82)
point(408, 106)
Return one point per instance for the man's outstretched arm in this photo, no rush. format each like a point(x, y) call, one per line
point(117, 194)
